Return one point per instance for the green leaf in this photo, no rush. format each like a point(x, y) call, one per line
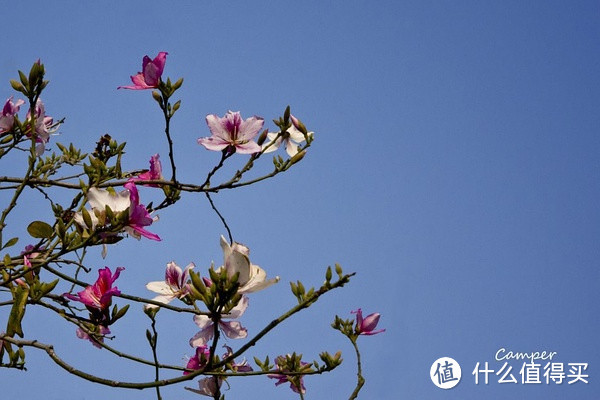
point(40, 230)
point(11, 242)
point(17, 311)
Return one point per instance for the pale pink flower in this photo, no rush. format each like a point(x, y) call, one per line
point(251, 277)
point(7, 117)
point(99, 295)
point(43, 127)
point(232, 133)
point(151, 73)
point(291, 139)
point(139, 217)
point(173, 287)
point(207, 386)
point(231, 329)
point(367, 325)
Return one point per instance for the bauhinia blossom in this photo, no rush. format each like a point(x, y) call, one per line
point(173, 287)
point(99, 295)
point(149, 77)
point(43, 127)
point(7, 117)
point(367, 325)
point(154, 173)
point(206, 386)
point(95, 338)
point(251, 277)
point(232, 133)
point(127, 199)
point(231, 329)
point(291, 139)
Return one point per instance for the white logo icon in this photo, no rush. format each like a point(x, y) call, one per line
point(445, 373)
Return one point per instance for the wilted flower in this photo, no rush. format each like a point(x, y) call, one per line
point(43, 127)
point(127, 199)
point(99, 295)
point(237, 367)
point(251, 277)
point(296, 381)
point(367, 325)
point(207, 386)
point(232, 133)
point(173, 287)
point(154, 173)
point(231, 329)
point(291, 138)
point(7, 117)
point(152, 70)
point(96, 338)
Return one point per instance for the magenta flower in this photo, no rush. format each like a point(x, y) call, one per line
point(152, 70)
point(139, 217)
point(7, 117)
point(367, 325)
point(173, 287)
point(231, 329)
point(43, 127)
point(198, 361)
point(232, 133)
point(99, 295)
point(154, 173)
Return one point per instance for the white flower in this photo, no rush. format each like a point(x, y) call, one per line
point(251, 277)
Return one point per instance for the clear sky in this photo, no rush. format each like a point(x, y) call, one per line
point(455, 170)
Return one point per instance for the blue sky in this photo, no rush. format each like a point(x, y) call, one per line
point(455, 169)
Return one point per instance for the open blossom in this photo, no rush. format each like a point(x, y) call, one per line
point(43, 127)
point(232, 329)
point(139, 217)
point(251, 277)
point(7, 117)
point(173, 287)
point(367, 325)
point(154, 173)
point(232, 133)
point(99, 295)
point(291, 139)
point(149, 77)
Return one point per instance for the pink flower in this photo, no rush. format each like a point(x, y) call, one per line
point(43, 127)
point(367, 325)
point(7, 117)
point(232, 133)
point(152, 70)
point(154, 173)
point(237, 367)
point(231, 329)
point(173, 287)
point(99, 295)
